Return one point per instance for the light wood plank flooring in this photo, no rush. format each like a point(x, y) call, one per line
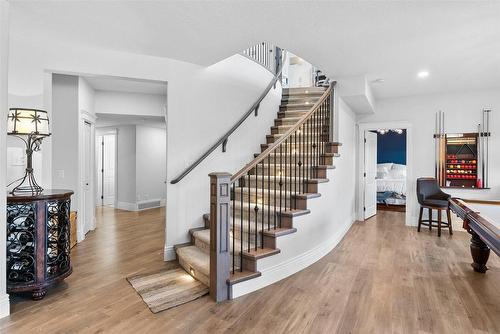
point(382, 278)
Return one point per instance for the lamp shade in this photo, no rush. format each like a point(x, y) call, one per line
point(22, 121)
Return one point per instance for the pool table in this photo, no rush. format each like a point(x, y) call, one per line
point(482, 221)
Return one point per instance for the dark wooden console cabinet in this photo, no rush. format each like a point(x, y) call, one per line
point(38, 241)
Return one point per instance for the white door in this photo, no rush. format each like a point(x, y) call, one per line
point(99, 169)
point(87, 173)
point(108, 177)
point(370, 174)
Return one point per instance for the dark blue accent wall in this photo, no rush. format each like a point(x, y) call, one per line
point(391, 147)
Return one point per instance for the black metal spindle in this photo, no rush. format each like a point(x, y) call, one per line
point(274, 187)
point(308, 161)
point(233, 197)
point(241, 224)
point(256, 208)
point(281, 181)
point(295, 170)
point(262, 203)
point(269, 192)
point(286, 163)
point(249, 214)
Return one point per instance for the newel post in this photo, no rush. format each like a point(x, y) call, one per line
point(220, 195)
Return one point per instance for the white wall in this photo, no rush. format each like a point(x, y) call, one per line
point(463, 113)
point(86, 96)
point(64, 128)
point(4, 57)
point(151, 163)
point(124, 103)
point(331, 216)
point(125, 168)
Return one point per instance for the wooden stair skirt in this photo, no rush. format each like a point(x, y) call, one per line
point(261, 206)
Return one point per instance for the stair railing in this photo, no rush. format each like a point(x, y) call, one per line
point(262, 197)
point(272, 58)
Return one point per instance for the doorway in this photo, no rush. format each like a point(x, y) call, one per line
point(106, 169)
point(385, 170)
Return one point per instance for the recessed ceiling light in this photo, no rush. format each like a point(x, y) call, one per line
point(423, 74)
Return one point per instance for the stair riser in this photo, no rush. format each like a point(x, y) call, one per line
point(302, 147)
point(269, 217)
point(265, 199)
point(303, 91)
point(285, 121)
point(201, 244)
point(195, 273)
point(300, 100)
point(321, 160)
point(302, 107)
point(308, 129)
point(299, 137)
point(298, 113)
point(289, 171)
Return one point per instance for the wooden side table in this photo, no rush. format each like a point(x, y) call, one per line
point(38, 241)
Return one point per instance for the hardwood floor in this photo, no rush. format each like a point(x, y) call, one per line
point(383, 277)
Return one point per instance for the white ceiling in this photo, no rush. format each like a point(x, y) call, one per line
point(457, 42)
point(126, 85)
point(104, 120)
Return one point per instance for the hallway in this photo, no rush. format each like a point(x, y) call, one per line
point(383, 277)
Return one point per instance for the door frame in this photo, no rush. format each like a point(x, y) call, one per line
point(108, 132)
point(365, 174)
point(85, 117)
point(411, 207)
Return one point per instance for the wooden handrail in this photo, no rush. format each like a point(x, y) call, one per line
point(224, 138)
point(285, 136)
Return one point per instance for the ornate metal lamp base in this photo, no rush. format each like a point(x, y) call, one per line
point(27, 185)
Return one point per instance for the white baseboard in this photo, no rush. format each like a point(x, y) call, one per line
point(290, 266)
point(4, 306)
point(126, 206)
point(135, 206)
point(169, 253)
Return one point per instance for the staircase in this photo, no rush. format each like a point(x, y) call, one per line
point(269, 193)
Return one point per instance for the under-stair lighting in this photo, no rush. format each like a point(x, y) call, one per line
point(191, 271)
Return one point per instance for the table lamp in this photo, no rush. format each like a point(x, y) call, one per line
point(31, 126)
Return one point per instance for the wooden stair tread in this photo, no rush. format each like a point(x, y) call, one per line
point(241, 276)
point(260, 253)
point(279, 231)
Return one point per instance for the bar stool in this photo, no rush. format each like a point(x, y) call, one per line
point(431, 197)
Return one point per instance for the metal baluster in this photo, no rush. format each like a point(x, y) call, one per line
point(281, 181)
point(301, 162)
point(290, 171)
point(295, 170)
point(249, 214)
point(274, 187)
point(242, 188)
point(268, 192)
point(308, 158)
point(286, 174)
point(262, 204)
point(256, 208)
point(316, 153)
point(234, 211)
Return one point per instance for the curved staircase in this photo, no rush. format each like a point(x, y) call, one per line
point(269, 193)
